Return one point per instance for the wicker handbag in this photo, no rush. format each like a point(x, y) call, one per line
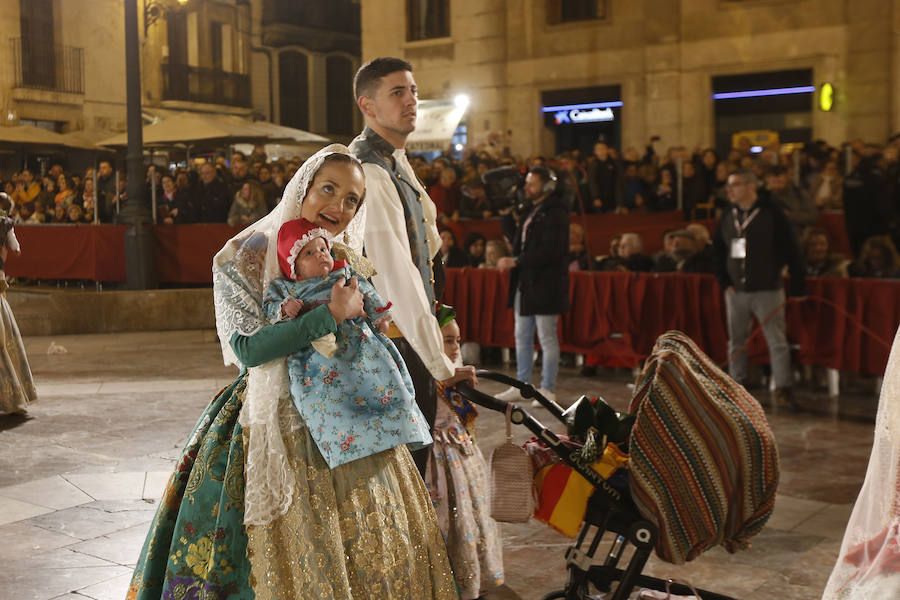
point(512, 480)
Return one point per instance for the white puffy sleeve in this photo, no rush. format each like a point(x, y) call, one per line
point(397, 279)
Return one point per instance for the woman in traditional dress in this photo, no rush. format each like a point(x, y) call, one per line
point(868, 566)
point(16, 386)
point(252, 509)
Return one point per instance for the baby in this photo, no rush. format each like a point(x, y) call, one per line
point(351, 388)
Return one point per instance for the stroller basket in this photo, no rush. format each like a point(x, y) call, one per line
point(609, 510)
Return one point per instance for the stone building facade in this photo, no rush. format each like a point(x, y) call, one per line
point(62, 64)
point(661, 59)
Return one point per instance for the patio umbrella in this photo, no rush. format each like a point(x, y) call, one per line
point(28, 137)
point(184, 129)
point(193, 129)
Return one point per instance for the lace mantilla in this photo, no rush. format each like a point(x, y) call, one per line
point(242, 271)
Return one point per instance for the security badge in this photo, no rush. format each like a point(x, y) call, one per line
point(739, 244)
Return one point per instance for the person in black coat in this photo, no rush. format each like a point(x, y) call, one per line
point(865, 201)
point(539, 277)
point(213, 199)
point(752, 244)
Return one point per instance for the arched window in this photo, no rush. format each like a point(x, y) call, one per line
point(339, 83)
point(293, 80)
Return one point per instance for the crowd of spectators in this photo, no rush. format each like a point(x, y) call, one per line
point(237, 191)
point(862, 180)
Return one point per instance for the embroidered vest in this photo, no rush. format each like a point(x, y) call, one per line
point(369, 147)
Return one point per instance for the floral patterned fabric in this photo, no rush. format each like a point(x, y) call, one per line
point(16, 386)
point(196, 547)
point(362, 531)
point(458, 483)
point(360, 401)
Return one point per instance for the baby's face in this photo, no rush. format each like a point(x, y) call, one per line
point(314, 260)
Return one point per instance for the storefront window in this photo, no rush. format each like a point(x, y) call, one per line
point(568, 11)
point(428, 19)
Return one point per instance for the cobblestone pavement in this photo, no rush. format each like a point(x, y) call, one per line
point(80, 477)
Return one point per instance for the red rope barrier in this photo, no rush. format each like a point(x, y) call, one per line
point(802, 299)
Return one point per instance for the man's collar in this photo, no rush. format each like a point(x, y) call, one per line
point(749, 208)
point(377, 142)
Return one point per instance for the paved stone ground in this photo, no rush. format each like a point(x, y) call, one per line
point(80, 477)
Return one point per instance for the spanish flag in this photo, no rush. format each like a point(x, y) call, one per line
point(563, 493)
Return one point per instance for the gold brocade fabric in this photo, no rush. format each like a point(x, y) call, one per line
point(359, 263)
point(16, 385)
point(363, 531)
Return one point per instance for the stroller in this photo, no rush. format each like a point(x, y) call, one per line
point(610, 508)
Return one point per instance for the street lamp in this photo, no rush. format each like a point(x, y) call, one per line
point(139, 271)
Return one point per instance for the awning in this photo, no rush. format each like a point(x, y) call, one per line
point(36, 138)
point(436, 122)
point(187, 129)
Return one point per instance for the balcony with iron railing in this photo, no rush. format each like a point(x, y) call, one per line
point(211, 86)
point(48, 67)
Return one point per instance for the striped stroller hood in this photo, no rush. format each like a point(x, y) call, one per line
point(703, 460)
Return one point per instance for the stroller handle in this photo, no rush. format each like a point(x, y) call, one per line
point(480, 398)
point(525, 389)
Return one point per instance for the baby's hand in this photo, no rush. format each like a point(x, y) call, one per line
point(290, 308)
point(382, 325)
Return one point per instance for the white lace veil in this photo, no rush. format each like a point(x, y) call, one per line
point(242, 272)
point(868, 566)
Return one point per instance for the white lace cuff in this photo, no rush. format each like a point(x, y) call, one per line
point(281, 315)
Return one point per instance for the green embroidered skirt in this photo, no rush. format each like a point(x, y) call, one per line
point(364, 530)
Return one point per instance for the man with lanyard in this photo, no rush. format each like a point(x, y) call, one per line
point(753, 242)
point(401, 237)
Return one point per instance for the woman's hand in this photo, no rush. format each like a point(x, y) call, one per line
point(346, 301)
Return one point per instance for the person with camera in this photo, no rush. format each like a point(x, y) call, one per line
point(539, 277)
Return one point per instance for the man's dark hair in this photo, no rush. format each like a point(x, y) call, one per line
point(542, 172)
point(369, 75)
point(746, 175)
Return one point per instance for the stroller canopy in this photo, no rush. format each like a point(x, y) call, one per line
point(703, 460)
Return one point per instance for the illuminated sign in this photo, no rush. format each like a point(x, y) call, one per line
point(576, 115)
point(803, 89)
point(587, 106)
point(826, 97)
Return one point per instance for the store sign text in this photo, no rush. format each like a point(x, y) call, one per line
point(575, 115)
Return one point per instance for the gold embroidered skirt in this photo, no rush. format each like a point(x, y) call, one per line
point(16, 386)
point(363, 531)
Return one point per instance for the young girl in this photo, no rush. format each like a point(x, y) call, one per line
point(352, 388)
point(457, 479)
